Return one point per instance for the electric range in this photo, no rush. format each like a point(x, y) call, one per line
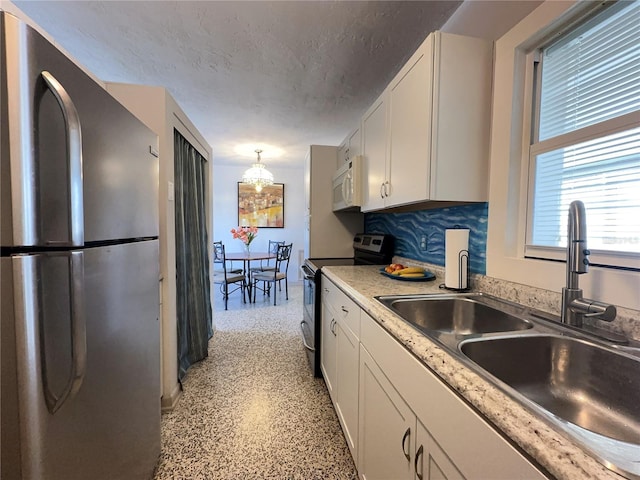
point(368, 249)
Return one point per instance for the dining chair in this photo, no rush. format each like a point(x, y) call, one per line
point(266, 265)
point(274, 276)
point(224, 277)
point(229, 270)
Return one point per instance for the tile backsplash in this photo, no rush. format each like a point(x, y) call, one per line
point(409, 228)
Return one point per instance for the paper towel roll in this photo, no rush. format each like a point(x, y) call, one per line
point(456, 258)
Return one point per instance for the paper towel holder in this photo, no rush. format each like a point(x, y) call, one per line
point(463, 258)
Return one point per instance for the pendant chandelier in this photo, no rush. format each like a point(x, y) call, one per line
point(258, 175)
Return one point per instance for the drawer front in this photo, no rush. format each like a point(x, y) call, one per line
point(348, 314)
point(346, 311)
point(329, 291)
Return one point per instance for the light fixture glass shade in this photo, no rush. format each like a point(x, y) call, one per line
point(258, 175)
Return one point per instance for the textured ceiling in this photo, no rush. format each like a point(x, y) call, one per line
point(281, 75)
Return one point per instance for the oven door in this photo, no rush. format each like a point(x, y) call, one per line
point(307, 325)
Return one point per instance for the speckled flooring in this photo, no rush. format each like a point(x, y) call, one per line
point(252, 409)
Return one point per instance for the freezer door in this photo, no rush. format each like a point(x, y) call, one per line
point(88, 398)
point(79, 162)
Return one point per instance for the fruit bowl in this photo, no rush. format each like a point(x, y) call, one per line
point(424, 276)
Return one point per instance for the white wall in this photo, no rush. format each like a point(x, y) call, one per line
point(225, 211)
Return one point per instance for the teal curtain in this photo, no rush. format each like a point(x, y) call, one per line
point(193, 304)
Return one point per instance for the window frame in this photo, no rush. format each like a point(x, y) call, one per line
point(607, 258)
point(509, 167)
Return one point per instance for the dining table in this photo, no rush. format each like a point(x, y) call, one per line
point(246, 258)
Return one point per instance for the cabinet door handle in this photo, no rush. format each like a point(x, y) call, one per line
point(405, 450)
point(386, 184)
point(381, 192)
point(342, 307)
point(419, 459)
point(333, 327)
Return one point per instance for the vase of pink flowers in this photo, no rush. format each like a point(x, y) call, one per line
point(245, 235)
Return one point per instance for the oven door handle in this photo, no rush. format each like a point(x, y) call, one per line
point(304, 341)
point(307, 272)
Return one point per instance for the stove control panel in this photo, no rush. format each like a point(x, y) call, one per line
point(374, 242)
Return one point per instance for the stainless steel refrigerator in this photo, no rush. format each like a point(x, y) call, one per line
point(80, 392)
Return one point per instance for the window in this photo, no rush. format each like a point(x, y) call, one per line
point(585, 138)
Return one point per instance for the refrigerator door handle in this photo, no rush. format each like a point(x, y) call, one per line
point(78, 338)
point(74, 158)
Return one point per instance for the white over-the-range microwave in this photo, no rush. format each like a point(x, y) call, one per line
point(347, 185)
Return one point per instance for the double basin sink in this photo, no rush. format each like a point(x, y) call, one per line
point(588, 388)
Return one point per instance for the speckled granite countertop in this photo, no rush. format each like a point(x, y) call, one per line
point(554, 452)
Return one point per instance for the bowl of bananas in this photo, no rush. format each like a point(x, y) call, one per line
point(398, 271)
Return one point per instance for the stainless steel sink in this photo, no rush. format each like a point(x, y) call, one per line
point(582, 383)
point(585, 387)
point(460, 315)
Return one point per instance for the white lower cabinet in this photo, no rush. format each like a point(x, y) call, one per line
point(399, 419)
point(385, 426)
point(431, 463)
point(447, 438)
point(394, 444)
point(328, 350)
point(339, 358)
point(347, 360)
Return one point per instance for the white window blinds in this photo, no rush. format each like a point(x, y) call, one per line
point(592, 74)
point(587, 142)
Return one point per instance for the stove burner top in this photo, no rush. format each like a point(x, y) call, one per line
point(368, 249)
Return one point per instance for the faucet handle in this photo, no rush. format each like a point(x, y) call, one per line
point(593, 309)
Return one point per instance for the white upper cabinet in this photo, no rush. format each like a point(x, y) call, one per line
point(343, 153)
point(374, 144)
point(355, 143)
point(350, 146)
point(427, 137)
point(410, 106)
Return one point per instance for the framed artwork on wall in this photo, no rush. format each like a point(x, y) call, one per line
point(264, 209)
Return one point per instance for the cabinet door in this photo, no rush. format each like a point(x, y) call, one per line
point(461, 118)
point(355, 141)
point(431, 463)
point(343, 153)
point(410, 107)
point(347, 355)
point(386, 429)
point(374, 144)
point(477, 450)
point(328, 349)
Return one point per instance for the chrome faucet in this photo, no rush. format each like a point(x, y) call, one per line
point(574, 307)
